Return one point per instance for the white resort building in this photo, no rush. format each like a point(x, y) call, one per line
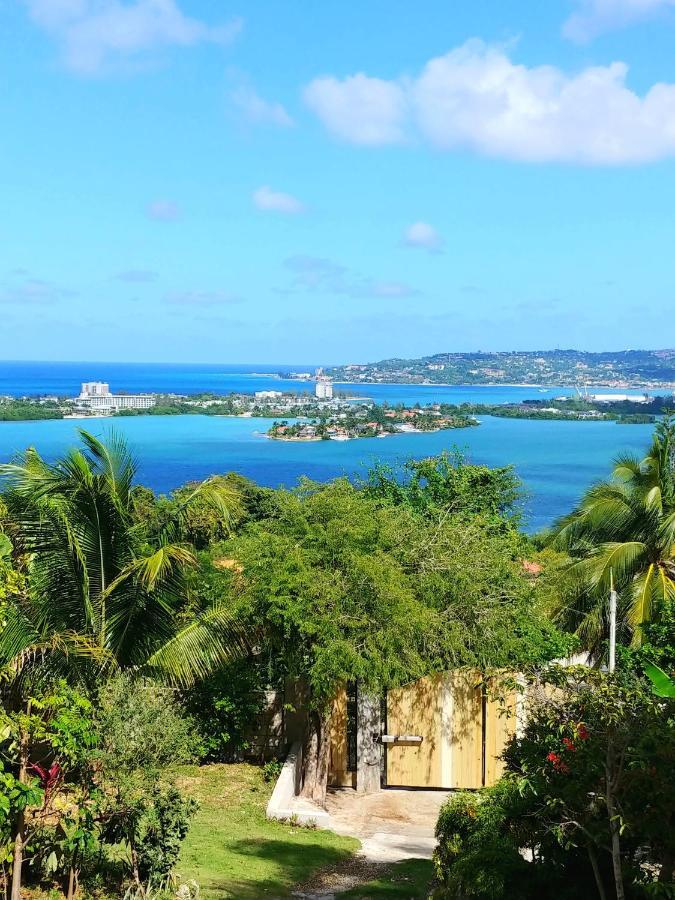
point(324, 389)
point(96, 397)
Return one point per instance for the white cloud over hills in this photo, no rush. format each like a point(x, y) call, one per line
point(476, 98)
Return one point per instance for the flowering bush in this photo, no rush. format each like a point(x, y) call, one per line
point(588, 798)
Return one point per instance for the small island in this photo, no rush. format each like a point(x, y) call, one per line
point(368, 421)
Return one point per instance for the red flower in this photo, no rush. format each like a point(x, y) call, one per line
point(558, 764)
point(48, 777)
point(569, 744)
point(582, 732)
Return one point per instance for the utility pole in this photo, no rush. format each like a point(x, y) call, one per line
point(612, 624)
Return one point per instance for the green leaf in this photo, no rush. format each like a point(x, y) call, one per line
point(5, 547)
point(664, 686)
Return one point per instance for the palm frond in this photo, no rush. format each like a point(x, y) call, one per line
point(212, 640)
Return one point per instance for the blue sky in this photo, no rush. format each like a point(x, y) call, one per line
point(272, 182)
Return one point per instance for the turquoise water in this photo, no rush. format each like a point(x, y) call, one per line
point(556, 460)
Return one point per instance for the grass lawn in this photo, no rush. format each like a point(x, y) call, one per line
point(407, 880)
point(233, 851)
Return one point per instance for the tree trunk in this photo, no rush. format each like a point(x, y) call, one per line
point(613, 814)
point(17, 857)
point(667, 867)
point(596, 872)
point(316, 757)
point(73, 881)
point(134, 863)
point(368, 746)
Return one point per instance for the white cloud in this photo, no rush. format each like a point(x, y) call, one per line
point(264, 198)
point(163, 210)
point(93, 34)
point(359, 109)
point(594, 17)
point(258, 111)
point(475, 98)
point(315, 273)
point(423, 236)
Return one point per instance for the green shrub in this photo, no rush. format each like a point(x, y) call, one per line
point(272, 770)
point(223, 708)
point(478, 853)
point(165, 825)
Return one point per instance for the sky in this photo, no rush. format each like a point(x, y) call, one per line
point(190, 181)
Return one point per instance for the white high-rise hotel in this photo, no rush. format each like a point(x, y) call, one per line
point(96, 395)
point(324, 389)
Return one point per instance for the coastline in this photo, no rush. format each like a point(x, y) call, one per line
point(624, 386)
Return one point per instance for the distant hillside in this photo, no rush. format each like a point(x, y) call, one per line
point(636, 368)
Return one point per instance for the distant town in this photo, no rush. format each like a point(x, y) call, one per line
point(574, 368)
point(332, 414)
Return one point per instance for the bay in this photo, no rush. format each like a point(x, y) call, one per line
point(556, 460)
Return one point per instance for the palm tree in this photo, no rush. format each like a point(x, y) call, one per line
point(622, 534)
point(97, 592)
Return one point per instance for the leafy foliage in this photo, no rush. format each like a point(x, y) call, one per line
point(165, 826)
point(622, 534)
point(223, 707)
point(591, 773)
point(348, 586)
point(448, 484)
point(119, 599)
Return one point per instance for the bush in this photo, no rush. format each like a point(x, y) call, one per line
point(272, 770)
point(587, 806)
point(224, 708)
point(143, 734)
point(478, 853)
point(165, 825)
point(143, 728)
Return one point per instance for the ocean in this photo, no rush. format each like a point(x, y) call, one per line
point(555, 460)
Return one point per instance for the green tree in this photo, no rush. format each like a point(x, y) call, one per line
point(345, 586)
point(448, 484)
point(97, 592)
point(622, 533)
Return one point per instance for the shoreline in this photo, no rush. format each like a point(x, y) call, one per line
point(544, 387)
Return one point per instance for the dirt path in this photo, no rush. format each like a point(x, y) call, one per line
point(392, 825)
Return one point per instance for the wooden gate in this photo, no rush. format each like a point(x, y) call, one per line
point(462, 732)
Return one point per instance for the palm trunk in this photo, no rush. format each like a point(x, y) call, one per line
point(316, 757)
